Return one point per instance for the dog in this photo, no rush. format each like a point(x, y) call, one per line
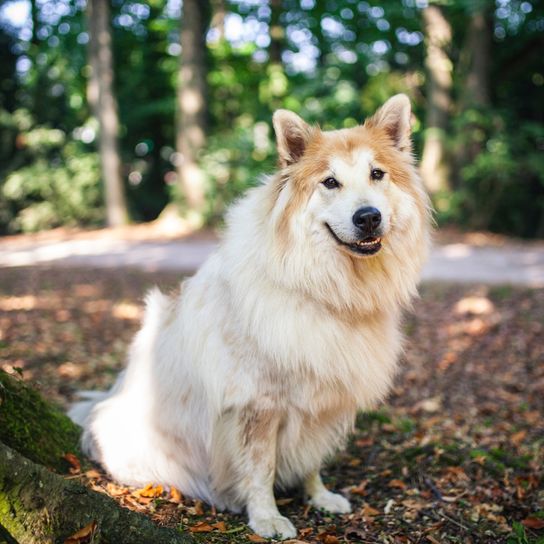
point(251, 376)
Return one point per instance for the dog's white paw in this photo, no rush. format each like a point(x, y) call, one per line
point(276, 526)
point(331, 502)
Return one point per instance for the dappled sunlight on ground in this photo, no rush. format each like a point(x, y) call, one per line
point(454, 455)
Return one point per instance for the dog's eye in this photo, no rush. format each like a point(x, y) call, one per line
point(331, 183)
point(377, 174)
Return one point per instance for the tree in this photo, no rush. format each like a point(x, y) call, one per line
point(191, 101)
point(104, 105)
point(438, 35)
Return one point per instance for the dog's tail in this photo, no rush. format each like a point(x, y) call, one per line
point(79, 411)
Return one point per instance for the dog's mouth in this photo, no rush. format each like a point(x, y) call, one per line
point(367, 246)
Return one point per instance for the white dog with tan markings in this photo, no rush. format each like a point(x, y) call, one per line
point(252, 376)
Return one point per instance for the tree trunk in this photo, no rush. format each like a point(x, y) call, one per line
point(277, 32)
point(477, 52)
point(474, 72)
point(219, 18)
point(191, 98)
point(39, 506)
point(102, 100)
point(439, 81)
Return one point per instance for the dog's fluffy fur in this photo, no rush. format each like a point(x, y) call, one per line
point(252, 375)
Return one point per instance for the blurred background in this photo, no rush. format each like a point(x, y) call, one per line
point(113, 112)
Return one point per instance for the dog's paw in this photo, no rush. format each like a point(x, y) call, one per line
point(331, 502)
point(276, 526)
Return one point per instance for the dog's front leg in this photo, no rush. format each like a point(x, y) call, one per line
point(322, 498)
point(259, 431)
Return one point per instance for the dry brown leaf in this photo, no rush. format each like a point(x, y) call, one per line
point(517, 438)
point(175, 495)
point(199, 508)
point(360, 489)
point(256, 538)
point(533, 523)
point(74, 462)
point(201, 527)
point(369, 512)
point(398, 484)
point(93, 474)
point(83, 535)
point(115, 490)
point(149, 491)
point(221, 526)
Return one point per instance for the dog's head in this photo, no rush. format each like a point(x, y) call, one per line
point(356, 188)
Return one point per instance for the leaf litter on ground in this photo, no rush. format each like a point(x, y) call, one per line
point(455, 454)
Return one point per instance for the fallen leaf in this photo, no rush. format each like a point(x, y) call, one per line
point(517, 438)
point(532, 522)
point(93, 474)
point(398, 484)
point(74, 462)
point(256, 538)
point(149, 491)
point(360, 489)
point(83, 535)
point(221, 526)
point(199, 508)
point(201, 527)
point(175, 495)
point(115, 490)
point(369, 512)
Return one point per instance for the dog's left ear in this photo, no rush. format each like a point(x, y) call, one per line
point(292, 135)
point(394, 118)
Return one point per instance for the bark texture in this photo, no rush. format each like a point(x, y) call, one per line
point(104, 105)
point(191, 99)
point(438, 35)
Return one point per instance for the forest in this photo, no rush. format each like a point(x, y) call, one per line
point(113, 112)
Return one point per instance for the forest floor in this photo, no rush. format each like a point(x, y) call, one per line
point(455, 454)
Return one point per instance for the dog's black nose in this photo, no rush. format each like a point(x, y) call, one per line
point(367, 219)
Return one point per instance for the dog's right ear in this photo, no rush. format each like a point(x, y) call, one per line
point(292, 135)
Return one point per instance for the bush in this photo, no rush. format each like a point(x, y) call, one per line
point(58, 183)
point(501, 186)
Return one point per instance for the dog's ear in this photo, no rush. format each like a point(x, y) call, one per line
point(394, 117)
point(292, 135)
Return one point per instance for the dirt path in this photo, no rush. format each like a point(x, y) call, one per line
point(466, 260)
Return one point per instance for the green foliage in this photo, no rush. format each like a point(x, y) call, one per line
point(340, 61)
point(59, 183)
point(502, 188)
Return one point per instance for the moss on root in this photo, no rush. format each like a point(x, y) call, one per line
point(36, 429)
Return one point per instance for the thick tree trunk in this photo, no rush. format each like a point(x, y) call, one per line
point(477, 52)
point(438, 33)
point(39, 506)
point(102, 100)
point(277, 32)
point(474, 72)
point(191, 98)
